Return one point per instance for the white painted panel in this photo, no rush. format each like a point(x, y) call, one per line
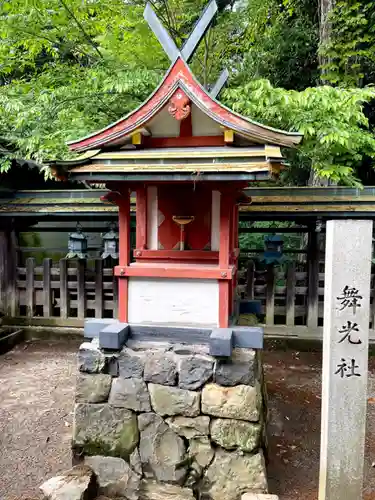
point(203, 124)
point(152, 218)
point(174, 301)
point(164, 125)
point(215, 221)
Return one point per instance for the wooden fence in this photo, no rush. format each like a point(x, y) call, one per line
point(289, 295)
point(65, 293)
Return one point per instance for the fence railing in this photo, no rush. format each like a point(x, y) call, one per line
point(291, 296)
point(64, 293)
point(66, 290)
point(285, 296)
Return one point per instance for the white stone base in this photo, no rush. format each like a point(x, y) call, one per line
point(174, 301)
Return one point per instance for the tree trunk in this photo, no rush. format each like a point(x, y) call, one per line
point(325, 8)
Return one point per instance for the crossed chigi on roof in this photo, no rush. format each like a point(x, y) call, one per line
point(191, 44)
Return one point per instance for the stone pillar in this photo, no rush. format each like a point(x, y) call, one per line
point(345, 358)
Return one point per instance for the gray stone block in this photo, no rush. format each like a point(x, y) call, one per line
point(130, 393)
point(93, 388)
point(76, 483)
point(194, 371)
point(241, 402)
point(173, 401)
point(232, 434)
point(241, 368)
point(231, 473)
point(160, 368)
point(115, 477)
point(221, 342)
point(152, 490)
point(130, 363)
point(135, 462)
point(94, 326)
point(161, 450)
point(101, 428)
point(90, 358)
point(113, 336)
point(248, 336)
point(201, 451)
point(190, 427)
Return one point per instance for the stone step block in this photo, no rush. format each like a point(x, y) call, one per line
point(114, 336)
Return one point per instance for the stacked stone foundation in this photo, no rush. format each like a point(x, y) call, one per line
point(181, 423)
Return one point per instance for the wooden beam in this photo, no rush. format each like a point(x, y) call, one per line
point(124, 254)
point(226, 221)
point(173, 271)
point(141, 218)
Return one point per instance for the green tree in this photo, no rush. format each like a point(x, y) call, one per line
point(349, 51)
point(337, 136)
point(69, 67)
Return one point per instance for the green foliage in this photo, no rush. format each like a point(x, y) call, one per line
point(254, 240)
point(70, 67)
point(281, 43)
point(350, 51)
point(38, 115)
point(335, 128)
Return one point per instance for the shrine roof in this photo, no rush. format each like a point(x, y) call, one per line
point(181, 131)
point(268, 203)
point(178, 83)
point(250, 163)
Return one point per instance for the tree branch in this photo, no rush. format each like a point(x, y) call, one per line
point(80, 26)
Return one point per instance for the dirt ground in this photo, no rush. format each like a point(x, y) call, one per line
point(36, 394)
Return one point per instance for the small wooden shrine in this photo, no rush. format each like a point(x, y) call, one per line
point(188, 158)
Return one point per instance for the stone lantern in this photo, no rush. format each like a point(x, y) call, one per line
point(77, 244)
point(273, 251)
point(110, 243)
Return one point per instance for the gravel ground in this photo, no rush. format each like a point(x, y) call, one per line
point(36, 392)
point(294, 390)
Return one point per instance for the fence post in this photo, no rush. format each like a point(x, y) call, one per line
point(98, 288)
point(63, 289)
point(47, 298)
point(30, 291)
point(81, 298)
point(290, 293)
point(313, 280)
point(9, 297)
point(270, 295)
point(250, 277)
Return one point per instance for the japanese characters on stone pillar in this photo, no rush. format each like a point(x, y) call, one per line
point(345, 358)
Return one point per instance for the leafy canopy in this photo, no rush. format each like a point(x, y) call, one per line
point(350, 51)
point(70, 67)
point(335, 128)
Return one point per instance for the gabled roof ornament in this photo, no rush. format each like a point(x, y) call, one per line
point(191, 44)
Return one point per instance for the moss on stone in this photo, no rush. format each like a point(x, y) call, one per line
point(248, 320)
